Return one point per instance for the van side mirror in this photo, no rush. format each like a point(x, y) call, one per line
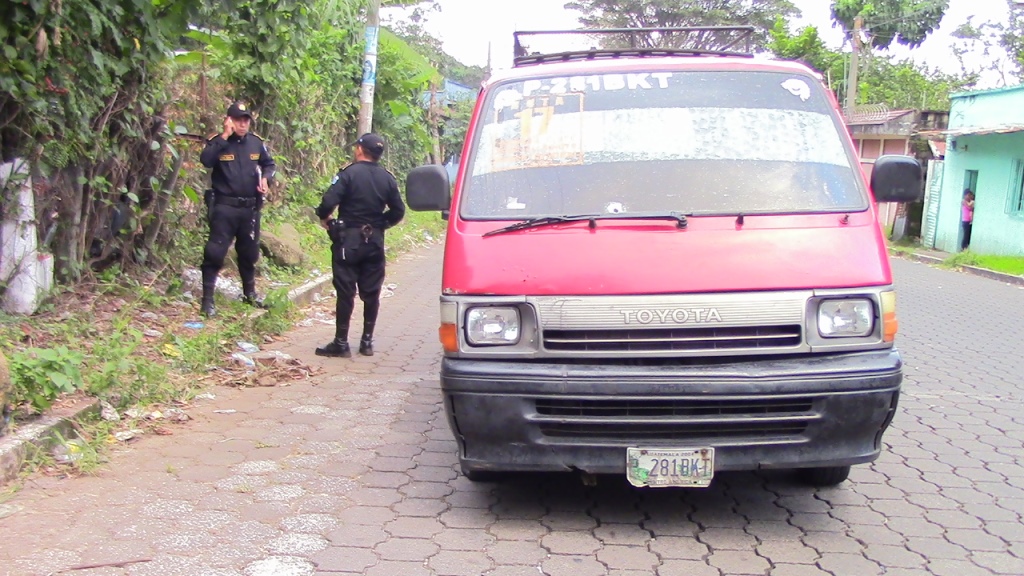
point(897, 179)
point(427, 188)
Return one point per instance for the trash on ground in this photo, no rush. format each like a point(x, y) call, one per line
point(69, 451)
point(248, 347)
point(108, 412)
point(176, 415)
point(206, 396)
point(193, 325)
point(224, 411)
point(243, 360)
point(126, 435)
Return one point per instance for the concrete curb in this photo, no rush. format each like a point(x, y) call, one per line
point(983, 272)
point(16, 446)
point(306, 293)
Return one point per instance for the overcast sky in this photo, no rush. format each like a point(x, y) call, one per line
point(468, 27)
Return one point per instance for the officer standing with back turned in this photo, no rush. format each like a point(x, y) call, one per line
point(368, 202)
point(241, 169)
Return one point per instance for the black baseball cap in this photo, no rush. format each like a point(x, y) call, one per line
point(372, 143)
point(239, 110)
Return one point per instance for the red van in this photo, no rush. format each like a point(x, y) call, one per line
point(665, 264)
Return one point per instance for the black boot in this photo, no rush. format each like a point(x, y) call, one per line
point(335, 349)
point(249, 295)
point(366, 342)
point(366, 345)
point(254, 301)
point(206, 307)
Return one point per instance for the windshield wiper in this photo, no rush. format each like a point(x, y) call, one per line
point(678, 217)
point(540, 221)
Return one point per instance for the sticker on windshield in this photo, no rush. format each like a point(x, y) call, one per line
point(536, 132)
point(515, 204)
point(614, 208)
point(798, 87)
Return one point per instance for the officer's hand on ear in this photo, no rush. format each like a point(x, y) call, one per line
point(229, 127)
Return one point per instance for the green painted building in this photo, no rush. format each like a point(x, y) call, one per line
point(984, 152)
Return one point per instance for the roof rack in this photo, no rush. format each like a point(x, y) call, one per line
point(642, 42)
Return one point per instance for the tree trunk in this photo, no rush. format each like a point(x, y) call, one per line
point(163, 200)
point(66, 251)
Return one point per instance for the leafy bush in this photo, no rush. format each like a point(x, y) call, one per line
point(40, 375)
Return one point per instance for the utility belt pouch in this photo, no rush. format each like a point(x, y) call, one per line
point(336, 231)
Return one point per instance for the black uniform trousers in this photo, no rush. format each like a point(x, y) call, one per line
point(357, 262)
point(238, 223)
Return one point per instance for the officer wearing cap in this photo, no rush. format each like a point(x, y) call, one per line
point(241, 169)
point(368, 202)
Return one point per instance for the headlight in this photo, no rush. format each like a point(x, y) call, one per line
point(492, 326)
point(846, 318)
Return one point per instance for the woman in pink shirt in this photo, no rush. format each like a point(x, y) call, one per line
point(967, 217)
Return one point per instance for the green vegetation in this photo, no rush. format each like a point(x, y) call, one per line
point(1005, 264)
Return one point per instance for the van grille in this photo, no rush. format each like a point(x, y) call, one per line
point(616, 408)
point(633, 421)
point(673, 339)
point(639, 433)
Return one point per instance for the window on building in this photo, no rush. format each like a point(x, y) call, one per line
point(1016, 196)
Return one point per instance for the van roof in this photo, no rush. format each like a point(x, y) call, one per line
point(647, 63)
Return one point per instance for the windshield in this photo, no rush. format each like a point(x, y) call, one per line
point(693, 142)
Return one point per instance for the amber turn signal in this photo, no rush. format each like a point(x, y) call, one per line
point(449, 337)
point(890, 325)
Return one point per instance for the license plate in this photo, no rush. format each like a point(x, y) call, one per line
point(660, 468)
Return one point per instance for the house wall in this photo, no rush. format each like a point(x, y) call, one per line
point(993, 156)
point(992, 108)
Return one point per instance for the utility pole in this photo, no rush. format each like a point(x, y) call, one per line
point(369, 68)
point(851, 81)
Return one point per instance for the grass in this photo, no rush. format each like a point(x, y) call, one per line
point(1005, 264)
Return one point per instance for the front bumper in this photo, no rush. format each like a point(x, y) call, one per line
point(820, 411)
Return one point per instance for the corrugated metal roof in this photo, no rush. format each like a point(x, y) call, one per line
point(972, 131)
point(880, 117)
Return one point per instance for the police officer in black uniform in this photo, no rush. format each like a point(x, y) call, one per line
point(360, 192)
point(241, 169)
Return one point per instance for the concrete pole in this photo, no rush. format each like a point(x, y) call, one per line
point(851, 83)
point(369, 68)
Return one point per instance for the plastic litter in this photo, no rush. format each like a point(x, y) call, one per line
point(69, 451)
point(126, 435)
point(108, 413)
point(206, 396)
point(193, 325)
point(224, 411)
point(243, 360)
point(248, 347)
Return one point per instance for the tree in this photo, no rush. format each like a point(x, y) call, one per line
point(760, 14)
point(1012, 38)
point(906, 22)
point(895, 83)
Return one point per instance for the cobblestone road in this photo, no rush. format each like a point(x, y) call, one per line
point(355, 472)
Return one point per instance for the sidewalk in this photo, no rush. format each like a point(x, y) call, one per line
point(938, 257)
point(17, 444)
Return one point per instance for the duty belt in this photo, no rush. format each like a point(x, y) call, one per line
point(236, 201)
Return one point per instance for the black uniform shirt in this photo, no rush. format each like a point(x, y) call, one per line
point(237, 163)
point(361, 192)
